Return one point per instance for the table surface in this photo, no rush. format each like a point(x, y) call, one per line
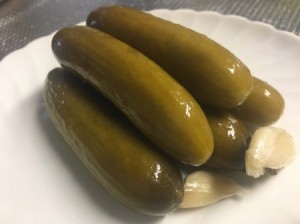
point(22, 21)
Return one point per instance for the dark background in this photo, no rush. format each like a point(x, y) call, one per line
point(22, 21)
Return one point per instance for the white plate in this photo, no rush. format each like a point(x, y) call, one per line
point(41, 181)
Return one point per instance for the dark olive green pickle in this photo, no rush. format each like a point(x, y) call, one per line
point(210, 72)
point(263, 106)
point(154, 102)
point(231, 139)
point(127, 164)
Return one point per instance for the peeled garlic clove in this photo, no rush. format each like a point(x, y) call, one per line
point(270, 147)
point(203, 188)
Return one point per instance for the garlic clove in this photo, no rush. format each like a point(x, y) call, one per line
point(270, 147)
point(203, 188)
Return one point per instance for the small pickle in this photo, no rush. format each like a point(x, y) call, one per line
point(127, 164)
point(210, 72)
point(231, 140)
point(263, 106)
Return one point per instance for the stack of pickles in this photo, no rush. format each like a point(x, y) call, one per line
point(137, 94)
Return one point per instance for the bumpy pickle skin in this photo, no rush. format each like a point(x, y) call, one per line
point(210, 72)
point(158, 105)
point(231, 139)
point(127, 164)
point(263, 107)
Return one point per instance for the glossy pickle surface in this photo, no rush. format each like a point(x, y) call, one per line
point(262, 107)
point(231, 139)
point(158, 105)
point(209, 71)
point(127, 164)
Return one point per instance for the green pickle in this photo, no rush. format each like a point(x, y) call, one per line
point(127, 101)
point(263, 106)
point(158, 105)
point(210, 72)
point(124, 161)
point(231, 139)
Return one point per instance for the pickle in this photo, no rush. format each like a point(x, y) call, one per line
point(158, 105)
point(210, 72)
point(263, 107)
point(231, 140)
point(124, 161)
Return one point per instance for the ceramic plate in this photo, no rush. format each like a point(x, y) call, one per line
point(42, 181)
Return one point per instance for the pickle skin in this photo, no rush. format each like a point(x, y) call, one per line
point(231, 140)
point(263, 107)
point(159, 106)
point(126, 163)
point(210, 72)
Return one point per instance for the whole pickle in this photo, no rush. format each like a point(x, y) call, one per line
point(231, 139)
point(160, 107)
point(210, 72)
point(123, 160)
point(263, 106)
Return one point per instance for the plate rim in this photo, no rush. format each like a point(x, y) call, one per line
point(183, 10)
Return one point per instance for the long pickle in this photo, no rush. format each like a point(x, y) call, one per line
point(158, 105)
point(126, 163)
point(210, 72)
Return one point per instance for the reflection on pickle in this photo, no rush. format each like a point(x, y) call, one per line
point(231, 139)
point(263, 106)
